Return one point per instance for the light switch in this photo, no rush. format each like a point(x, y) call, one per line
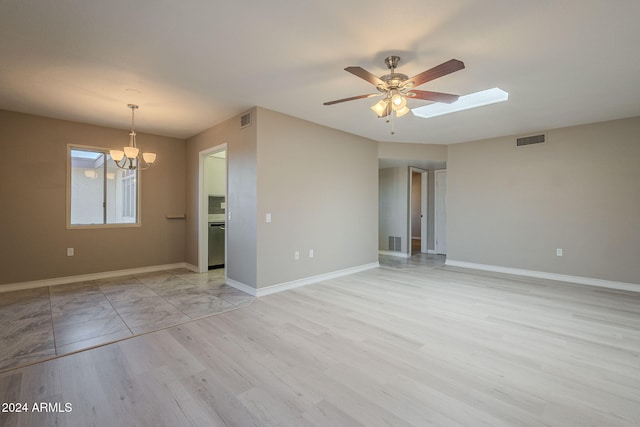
point(559, 252)
point(70, 252)
point(268, 217)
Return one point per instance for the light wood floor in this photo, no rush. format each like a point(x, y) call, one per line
point(409, 345)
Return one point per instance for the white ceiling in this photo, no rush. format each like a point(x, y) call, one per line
point(192, 64)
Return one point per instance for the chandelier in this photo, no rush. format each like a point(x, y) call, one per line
point(129, 157)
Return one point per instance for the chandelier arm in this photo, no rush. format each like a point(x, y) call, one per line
point(121, 166)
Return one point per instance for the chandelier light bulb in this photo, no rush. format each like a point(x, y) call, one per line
point(149, 157)
point(131, 152)
point(116, 155)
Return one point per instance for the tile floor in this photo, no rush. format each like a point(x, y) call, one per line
point(42, 323)
point(418, 261)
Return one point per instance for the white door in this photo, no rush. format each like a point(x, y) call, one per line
point(423, 213)
point(441, 212)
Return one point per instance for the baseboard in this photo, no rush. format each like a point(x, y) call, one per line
point(550, 276)
point(191, 267)
point(432, 252)
point(241, 287)
point(394, 253)
point(92, 276)
point(272, 289)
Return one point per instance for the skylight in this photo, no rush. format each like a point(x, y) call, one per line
point(465, 102)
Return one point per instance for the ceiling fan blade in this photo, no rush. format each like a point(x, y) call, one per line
point(438, 71)
point(364, 74)
point(337, 101)
point(432, 96)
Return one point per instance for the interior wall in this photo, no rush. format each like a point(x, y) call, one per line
point(320, 187)
point(241, 195)
point(431, 210)
point(33, 181)
point(393, 206)
point(408, 151)
point(514, 206)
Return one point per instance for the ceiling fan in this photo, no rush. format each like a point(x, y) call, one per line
point(397, 87)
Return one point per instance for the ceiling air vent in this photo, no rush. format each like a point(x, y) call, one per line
point(245, 120)
point(531, 139)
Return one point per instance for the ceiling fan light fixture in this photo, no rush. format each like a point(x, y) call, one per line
point(402, 111)
point(380, 107)
point(398, 102)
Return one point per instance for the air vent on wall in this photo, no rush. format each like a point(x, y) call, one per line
point(395, 244)
point(531, 139)
point(245, 120)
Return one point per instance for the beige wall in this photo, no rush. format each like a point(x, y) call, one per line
point(33, 233)
point(513, 207)
point(241, 196)
point(406, 151)
point(320, 186)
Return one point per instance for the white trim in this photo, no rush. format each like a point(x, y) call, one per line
point(93, 276)
point(393, 253)
point(203, 217)
point(550, 276)
point(424, 244)
point(423, 209)
point(272, 289)
point(191, 267)
point(241, 287)
point(433, 252)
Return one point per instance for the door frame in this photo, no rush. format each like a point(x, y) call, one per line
point(424, 180)
point(203, 205)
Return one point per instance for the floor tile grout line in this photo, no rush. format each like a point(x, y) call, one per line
point(115, 310)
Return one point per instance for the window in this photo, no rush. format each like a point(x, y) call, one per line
point(100, 193)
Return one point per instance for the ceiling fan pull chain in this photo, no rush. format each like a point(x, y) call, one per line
point(392, 129)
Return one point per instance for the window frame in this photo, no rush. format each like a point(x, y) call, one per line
point(105, 151)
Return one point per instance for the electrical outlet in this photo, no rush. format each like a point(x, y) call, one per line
point(70, 252)
point(310, 253)
point(296, 255)
point(559, 252)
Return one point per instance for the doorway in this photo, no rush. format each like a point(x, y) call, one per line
point(212, 188)
point(418, 184)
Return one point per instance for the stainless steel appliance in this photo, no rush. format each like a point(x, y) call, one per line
point(216, 244)
point(217, 207)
